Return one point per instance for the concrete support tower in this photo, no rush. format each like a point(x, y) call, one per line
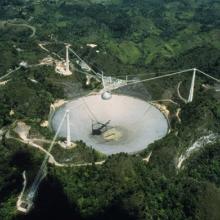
point(63, 67)
point(68, 137)
point(67, 59)
point(191, 93)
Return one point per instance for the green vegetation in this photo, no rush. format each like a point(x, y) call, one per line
point(14, 159)
point(79, 154)
point(133, 38)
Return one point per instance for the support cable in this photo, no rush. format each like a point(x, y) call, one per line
point(38, 178)
point(96, 74)
point(218, 80)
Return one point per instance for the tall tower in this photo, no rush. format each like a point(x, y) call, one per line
point(67, 59)
point(68, 138)
point(191, 93)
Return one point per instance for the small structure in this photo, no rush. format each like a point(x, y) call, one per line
point(88, 79)
point(110, 83)
point(65, 146)
point(44, 124)
point(47, 61)
point(22, 130)
point(33, 80)
point(106, 95)
point(25, 206)
point(98, 128)
point(91, 45)
point(23, 64)
point(3, 83)
point(12, 112)
point(84, 66)
point(112, 135)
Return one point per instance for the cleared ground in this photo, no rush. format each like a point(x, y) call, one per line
point(138, 122)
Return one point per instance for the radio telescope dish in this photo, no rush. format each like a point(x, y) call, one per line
point(121, 124)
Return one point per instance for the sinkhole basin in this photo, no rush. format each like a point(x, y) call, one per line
point(134, 122)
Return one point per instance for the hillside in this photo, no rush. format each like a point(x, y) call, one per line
point(176, 177)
